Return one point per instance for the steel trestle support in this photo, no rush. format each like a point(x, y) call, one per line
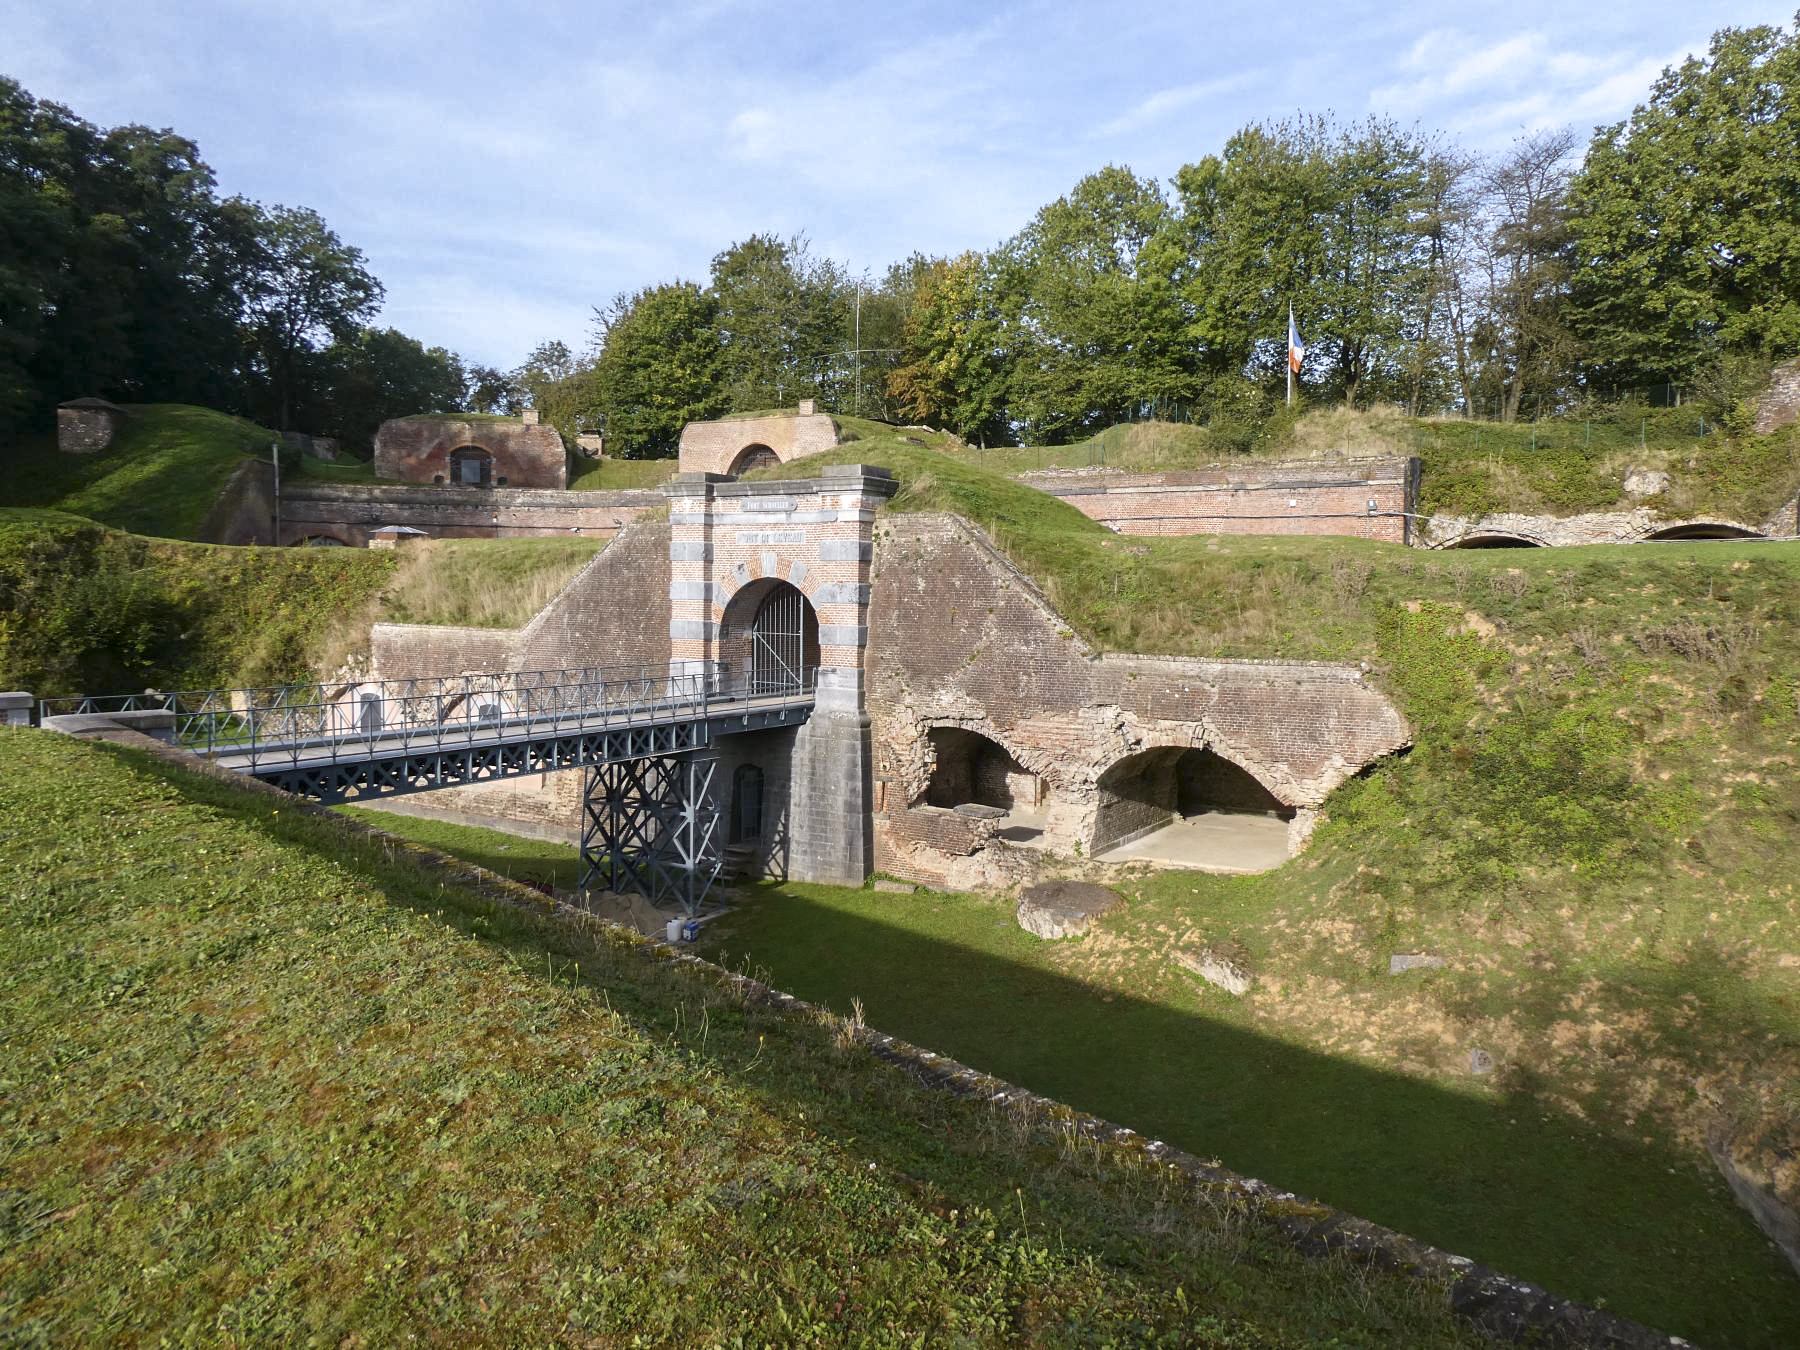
point(651, 826)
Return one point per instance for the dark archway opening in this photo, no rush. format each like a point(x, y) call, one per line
point(471, 466)
point(746, 804)
point(1676, 533)
point(1492, 540)
point(322, 541)
point(1154, 789)
point(769, 639)
point(755, 456)
point(977, 776)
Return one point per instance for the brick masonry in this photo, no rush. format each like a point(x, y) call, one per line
point(86, 426)
point(347, 514)
point(418, 449)
point(1594, 527)
point(959, 638)
point(1364, 498)
point(718, 447)
point(922, 625)
point(1779, 405)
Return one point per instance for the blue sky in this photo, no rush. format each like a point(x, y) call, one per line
point(507, 168)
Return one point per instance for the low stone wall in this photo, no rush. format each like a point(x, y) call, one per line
point(613, 612)
point(959, 638)
point(1363, 498)
point(715, 447)
point(86, 426)
point(348, 514)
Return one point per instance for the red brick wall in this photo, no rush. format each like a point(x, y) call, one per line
point(417, 449)
point(1330, 497)
point(713, 447)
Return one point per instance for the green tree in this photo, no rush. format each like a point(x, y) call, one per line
point(1686, 217)
point(784, 323)
point(121, 272)
point(377, 373)
point(659, 368)
point(951, 372)
point(1095, 328)
point(309, 288)
point(1338, 222)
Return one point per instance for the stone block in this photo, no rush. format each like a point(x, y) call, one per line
point(1217, 968)
point(1480, 1062)
point(1060, 909)
point(15, 709)
point(1401, 962)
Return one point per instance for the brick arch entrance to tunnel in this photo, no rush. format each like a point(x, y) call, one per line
point(1192, 806)
point(762, 574)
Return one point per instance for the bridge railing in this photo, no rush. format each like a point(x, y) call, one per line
point(285, 725)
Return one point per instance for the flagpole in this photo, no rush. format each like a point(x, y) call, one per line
point(1289, 363)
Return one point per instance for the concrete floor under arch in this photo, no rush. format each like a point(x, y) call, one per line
point(1211, 841)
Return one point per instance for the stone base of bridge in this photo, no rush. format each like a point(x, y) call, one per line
point(833, 785)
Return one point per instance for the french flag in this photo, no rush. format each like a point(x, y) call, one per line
point(1296, 348)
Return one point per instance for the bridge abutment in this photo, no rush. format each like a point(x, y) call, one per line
point(730, 544)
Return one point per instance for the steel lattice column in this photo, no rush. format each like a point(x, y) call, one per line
point(651, 826)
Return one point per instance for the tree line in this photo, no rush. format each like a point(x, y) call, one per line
point(1663, 253)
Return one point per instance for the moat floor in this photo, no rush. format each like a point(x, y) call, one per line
point(1216, 841)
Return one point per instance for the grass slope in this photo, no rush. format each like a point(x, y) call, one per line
point(483, 583)
point(614, 474)
point(160, 476)
point(86, 609)
point(268, 1081)
point(1495, 1174)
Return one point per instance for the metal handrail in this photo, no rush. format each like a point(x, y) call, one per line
point(283, 725)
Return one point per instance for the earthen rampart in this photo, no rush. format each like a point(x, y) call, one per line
point(1363, 498)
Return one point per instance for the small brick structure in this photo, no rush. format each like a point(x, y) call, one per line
point(471, 452)
point(1363, 498)
point(734, 444)
point(1638, 525)
point(86, 426)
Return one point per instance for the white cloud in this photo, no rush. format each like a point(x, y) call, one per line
point(1159, 105)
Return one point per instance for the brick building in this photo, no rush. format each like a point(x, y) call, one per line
point(473, 452)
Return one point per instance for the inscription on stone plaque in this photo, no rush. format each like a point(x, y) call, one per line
point(771, 536)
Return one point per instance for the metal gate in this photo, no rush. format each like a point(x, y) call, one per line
point(778, 642)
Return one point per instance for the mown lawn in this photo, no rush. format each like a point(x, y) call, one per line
point(1470, 1166)
point(268, 1080)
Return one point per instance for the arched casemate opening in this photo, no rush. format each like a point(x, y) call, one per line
point(321, 541)
point(979, 776)
point(471, 466)
point(769, 639)
point(1495, 539)
point(1189, 807)
point(754, 456)
point(1702, 529)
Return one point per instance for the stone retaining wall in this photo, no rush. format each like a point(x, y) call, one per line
point(348, 514)
point(958, 637)
point(1363, 498)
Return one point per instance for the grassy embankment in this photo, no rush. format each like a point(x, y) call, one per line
point(1595, 828)
point(1560, 467)
point(270, 1080)
point(615, 474)
point(86, 609)
point(161, 475)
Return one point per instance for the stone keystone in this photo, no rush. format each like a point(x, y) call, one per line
point(1060, 909)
